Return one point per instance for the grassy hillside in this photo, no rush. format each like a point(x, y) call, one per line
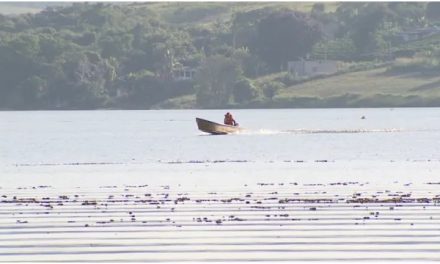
point(376, 87)
point(13, 9)
point(16, 8)
point(367, 83)
point(199, 12)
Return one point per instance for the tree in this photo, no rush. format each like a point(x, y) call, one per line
point(116, 44)
point(271, 88)
point(52, 47)
point(215, 81)
point(26, 44)
point(284, 36)
point(409, 14)
point(6, 24)
point(368, 22)
point(244, 26)
point(32, 91)
point(433, 11)
point(369, 25)
point(244, 91)
point(318, 9)
point(84, 80)
point(15, 66)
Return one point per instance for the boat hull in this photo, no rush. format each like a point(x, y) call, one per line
point(216, 128)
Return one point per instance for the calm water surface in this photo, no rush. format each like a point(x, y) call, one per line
point(315, 184)
point(106, 142)
point(273, 135)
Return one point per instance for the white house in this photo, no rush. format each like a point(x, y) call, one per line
point(312, 68)
point(184, 73)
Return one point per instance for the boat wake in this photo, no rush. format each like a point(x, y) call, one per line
point(341, 131)
point(316, 131)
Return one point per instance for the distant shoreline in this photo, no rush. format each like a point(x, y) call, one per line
point(220, 108)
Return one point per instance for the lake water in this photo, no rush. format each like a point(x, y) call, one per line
point(297, 184)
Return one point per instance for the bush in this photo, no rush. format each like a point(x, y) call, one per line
point(244, 91)
point(271, 88)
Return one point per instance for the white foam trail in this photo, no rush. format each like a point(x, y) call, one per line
point(261, 132)
point(336, 131)
point(316, 131)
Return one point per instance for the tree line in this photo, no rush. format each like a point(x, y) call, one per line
point(108, 55)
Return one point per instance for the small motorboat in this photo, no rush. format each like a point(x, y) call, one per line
point(216, 128)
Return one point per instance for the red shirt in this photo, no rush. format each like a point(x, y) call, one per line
point(229, 120)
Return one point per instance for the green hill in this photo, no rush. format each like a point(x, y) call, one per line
point(366, 84)
point(376, 87)
point(146, 55)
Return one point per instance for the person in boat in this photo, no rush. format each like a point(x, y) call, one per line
point(229, 120)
